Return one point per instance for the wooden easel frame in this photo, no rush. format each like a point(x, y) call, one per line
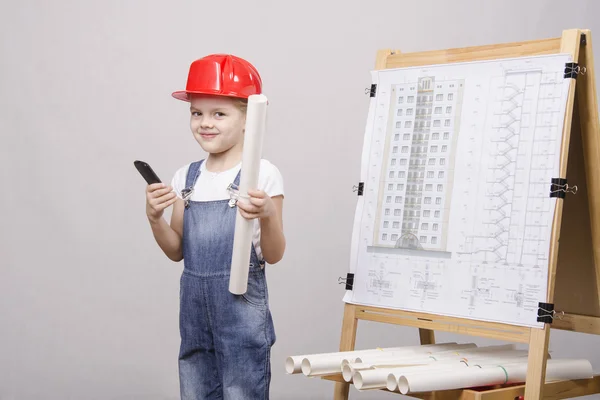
point(579, 259)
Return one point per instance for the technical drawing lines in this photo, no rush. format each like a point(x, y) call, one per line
point(480, 290)
point(424, 282)
point(379, 280)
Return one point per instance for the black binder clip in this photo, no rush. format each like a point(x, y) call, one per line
point(348, 280)
point(573, 69)
point(359, 189)
point(372, 91)
point(559, 188)
point(546, 313)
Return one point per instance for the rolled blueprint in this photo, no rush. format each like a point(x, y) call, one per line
point(377, 378)
point(350, 370)
point(396, 373)
point(332, 363)
point(389, 358)
point(425, 349)
point(490, 375)
point(430, 361)
point(422, 352)
point(326, 364)
point(256, 118)
point(293, 364)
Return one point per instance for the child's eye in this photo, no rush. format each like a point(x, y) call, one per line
point(196, 113)
point(219, 114)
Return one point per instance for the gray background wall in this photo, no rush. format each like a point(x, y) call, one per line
point(88, 303)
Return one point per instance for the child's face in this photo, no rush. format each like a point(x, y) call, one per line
point(217, 123)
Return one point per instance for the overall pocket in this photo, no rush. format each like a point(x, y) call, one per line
point(256, 294)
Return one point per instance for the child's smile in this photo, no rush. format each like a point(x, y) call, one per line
point(216, 122)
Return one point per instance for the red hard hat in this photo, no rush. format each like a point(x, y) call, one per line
point(222, 75)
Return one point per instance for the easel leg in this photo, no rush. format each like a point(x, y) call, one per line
point(347, 342)
point(536, 363)
point(427, 336)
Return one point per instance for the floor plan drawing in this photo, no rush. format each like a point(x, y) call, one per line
point(455, 216)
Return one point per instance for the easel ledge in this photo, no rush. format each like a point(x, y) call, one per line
point(579, 260)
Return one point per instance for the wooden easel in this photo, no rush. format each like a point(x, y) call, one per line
point(574, 271)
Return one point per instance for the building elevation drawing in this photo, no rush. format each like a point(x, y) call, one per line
point(455, 216)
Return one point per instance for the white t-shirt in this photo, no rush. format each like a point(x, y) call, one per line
point(212, 186)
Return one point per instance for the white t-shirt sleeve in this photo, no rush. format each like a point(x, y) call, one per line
point(270, 179)
point(178, 181)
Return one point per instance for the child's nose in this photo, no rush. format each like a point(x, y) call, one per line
point(206, 122)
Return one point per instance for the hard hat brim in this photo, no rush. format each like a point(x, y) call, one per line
point(184, 95)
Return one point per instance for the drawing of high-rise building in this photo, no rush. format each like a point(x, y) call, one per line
point(418, 163)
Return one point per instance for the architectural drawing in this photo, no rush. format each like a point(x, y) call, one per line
point(522, 112)
point(455, 216)
point(380, 283)
point(417, 169)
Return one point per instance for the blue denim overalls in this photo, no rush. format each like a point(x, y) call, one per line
point(226, 339)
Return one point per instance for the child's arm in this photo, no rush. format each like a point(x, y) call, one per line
point(269, 211)
point(158, 198)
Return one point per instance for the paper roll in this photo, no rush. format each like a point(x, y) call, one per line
point(351, 369)
point(491, 375)
point(422, 352)
point(332, 363)
point(256, 118)
point(378, 378)
point(396, 373)
point(329, 363)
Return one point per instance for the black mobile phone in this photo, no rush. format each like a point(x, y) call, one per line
point(147, 172)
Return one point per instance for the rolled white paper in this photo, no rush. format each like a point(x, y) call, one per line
point(392, 358)
point(349, 370)
point(357, 361)
point(384, 372)
point(491, 375)
point(418, 351)
point(477, 350)
point(494, 359)
point(516, 356)
point(434, 367)
point(331, 363)
point(256, 117)
point(377, 378)
point(370, 379)
point(293, 364)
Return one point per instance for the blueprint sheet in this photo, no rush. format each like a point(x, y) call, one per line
point(455, 218)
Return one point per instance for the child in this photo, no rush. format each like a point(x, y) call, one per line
point(226, 339)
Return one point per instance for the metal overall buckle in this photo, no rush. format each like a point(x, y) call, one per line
point(186, 194)
point(234, 194)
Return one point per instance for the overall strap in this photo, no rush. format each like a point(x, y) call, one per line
point(193, 174)
point(190, 181)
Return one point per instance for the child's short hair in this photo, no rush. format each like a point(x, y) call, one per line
point(241, 104)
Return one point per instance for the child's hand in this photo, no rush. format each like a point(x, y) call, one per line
point(259, 205)
point(158, 197)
